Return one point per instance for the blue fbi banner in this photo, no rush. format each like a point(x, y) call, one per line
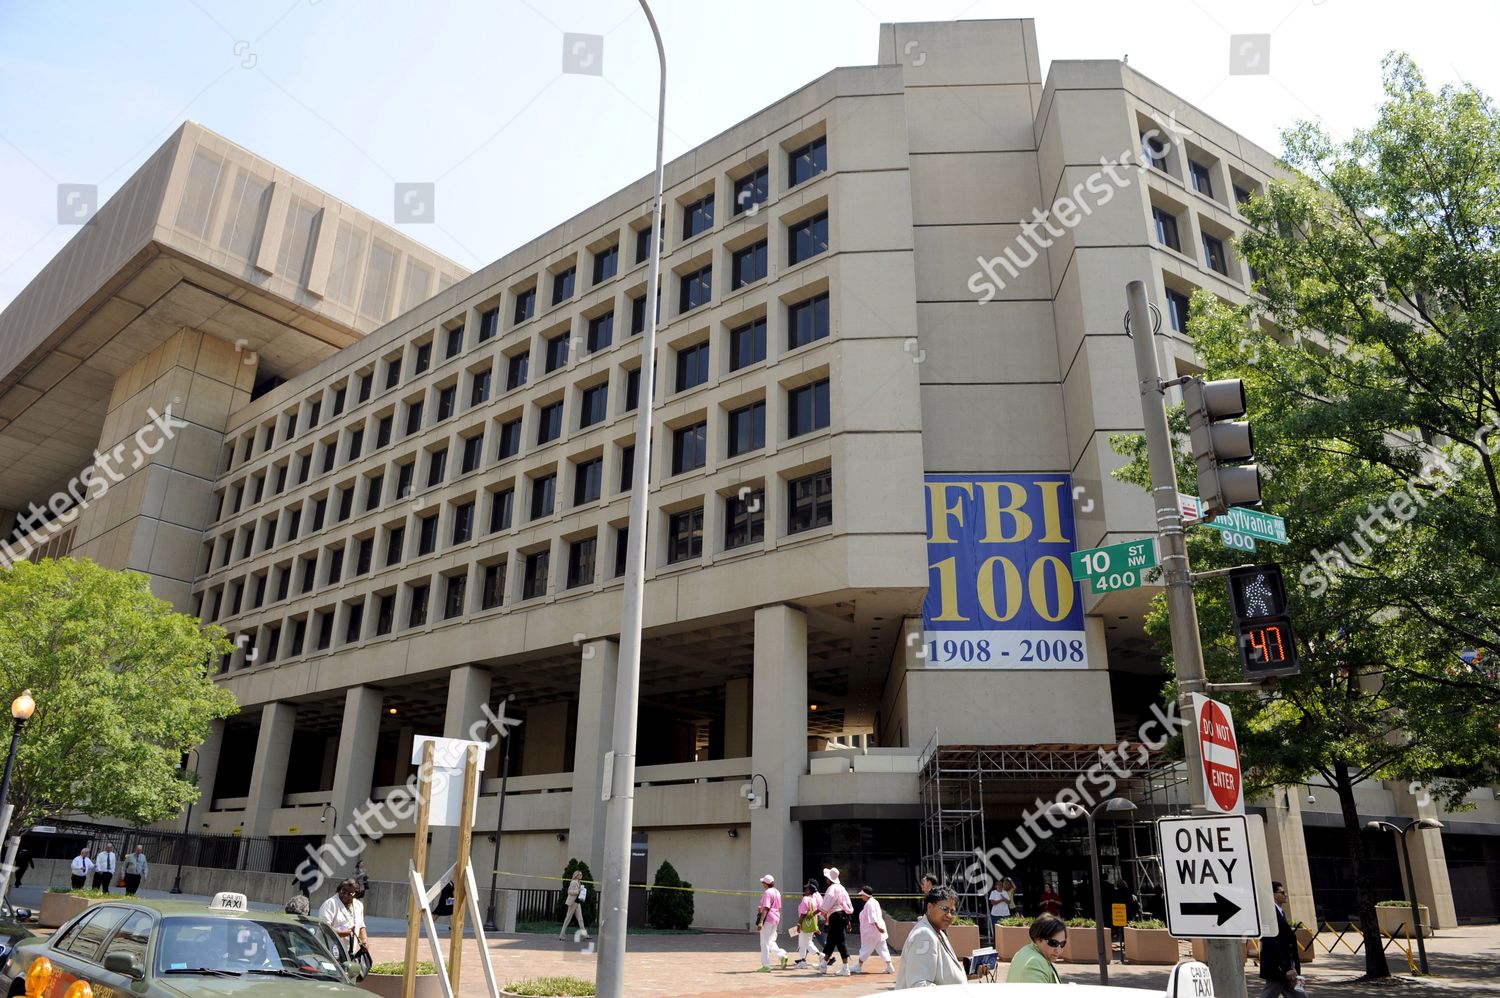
point(1000, 593)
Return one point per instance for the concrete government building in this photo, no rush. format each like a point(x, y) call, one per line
point(403, 488)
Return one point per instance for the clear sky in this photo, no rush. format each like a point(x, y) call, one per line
point(471, 95)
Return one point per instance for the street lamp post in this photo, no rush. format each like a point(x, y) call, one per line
point(1073, 812)
point(187, 821)
point(489, 915)
point(620, 762)
point(1411, 883)
point(21, 709)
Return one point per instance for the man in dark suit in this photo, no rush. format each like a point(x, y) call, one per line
point(1279, 966)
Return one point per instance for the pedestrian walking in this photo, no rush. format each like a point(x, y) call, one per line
point(927, 956)
point(104, 868)
point(23, 863)
point(306, 878)
point(362, 878)
point(578, 893)
point(836, 909)
point(135, 869)
point(1280, 967)
point(345, 914)
point(82, 868)
point(872, 933)
point(808, 915)
point(768, 922)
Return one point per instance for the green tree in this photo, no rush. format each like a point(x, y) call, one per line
point(1370, 354)
point(122, 689)
point(590, 902)
point(669, 909)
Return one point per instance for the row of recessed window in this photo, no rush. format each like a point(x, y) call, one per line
point(807, 411)
point(808, 506)
point(807, 321)
point(805, 239)
point(1200, 168)
point(1165, 223)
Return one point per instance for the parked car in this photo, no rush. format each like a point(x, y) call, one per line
point(180, 949)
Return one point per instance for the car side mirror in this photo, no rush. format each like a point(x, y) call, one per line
point(352, 969)
point(124, 963)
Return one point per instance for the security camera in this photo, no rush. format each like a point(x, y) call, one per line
point(1310, 798)
point(324, 818)
point(750, 796)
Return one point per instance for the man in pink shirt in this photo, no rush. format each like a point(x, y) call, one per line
point(768, 920)
point(836, 909)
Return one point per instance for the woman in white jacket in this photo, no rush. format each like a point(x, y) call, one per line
point(927, 958)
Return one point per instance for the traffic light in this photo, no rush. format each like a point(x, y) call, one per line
point(1221, 446)
point(1262, 626)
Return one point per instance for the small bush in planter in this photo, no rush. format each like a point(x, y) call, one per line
point(1020, 921)
point(1078, 923)
point(83, 892)
point(669, 909)
point(1146, 923)
point(395, 968)
point(1395, 904)
point(552, 987)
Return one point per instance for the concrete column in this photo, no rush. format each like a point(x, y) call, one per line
point(546, 734)
point(1428, 858)
point(404, 738)
point(1288, 851)
point(737, 718)
point(468, 695)
point(268, 776)
point(779, 740)
point(354, 766)
point(599, 669)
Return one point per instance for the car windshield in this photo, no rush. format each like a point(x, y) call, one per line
point(216, 945)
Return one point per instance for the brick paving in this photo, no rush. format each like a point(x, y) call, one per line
point(1465, 961)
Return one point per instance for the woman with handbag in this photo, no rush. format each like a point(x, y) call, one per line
point(345, 914)
point(578, 892)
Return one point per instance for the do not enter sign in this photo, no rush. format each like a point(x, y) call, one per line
point(1222, 783)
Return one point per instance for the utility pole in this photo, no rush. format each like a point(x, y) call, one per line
point(1225, 957)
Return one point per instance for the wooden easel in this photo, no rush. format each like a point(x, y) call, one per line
point(465, 895)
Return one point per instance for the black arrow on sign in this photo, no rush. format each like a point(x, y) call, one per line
point(1220, 906)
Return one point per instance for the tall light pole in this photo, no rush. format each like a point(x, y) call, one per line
point(620, 762)
point(1073, 812)
point(1411, 883)
point(489, 915)
point(187, 820)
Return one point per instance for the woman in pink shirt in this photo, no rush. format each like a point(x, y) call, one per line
point(836, 908)
point(808, 914)
point(768, 921)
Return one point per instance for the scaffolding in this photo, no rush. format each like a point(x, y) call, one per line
point(963, 787)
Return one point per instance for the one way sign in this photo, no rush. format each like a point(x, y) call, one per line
point(1209, 877)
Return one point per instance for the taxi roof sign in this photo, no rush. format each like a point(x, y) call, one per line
point(1190, 979)
point(229, 901)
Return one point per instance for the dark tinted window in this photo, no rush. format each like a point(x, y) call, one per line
point(807, 409)
point(747, 429)
point(807, 162)
point(750, 190)
point(697, 217)
point(807, 321)
point(749, 265)
point(808, 238)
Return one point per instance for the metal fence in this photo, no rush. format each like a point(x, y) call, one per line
point(538, 904)
point(221, 852)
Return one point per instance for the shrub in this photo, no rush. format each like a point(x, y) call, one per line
point(1394, 904)
point(590, 903)
point(396, 967)
point(1020, 920)
point(564, 987)
point(1079, 923)
point(669, 909)
point(1147, 923)
point(84, 892)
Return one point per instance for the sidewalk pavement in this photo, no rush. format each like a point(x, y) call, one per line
point(1465, 962)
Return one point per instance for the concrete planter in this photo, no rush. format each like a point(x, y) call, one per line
point(1082, 947)
point(1200, 951)
point(1397, 921)
point(58, 908)
point(965, 939)
point(896, 933)
point(389, 985)
point(1010, 939)
point(1149, 946)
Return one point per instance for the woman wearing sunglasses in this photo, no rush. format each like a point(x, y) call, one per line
point(928, 957)
point(1033, 963)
